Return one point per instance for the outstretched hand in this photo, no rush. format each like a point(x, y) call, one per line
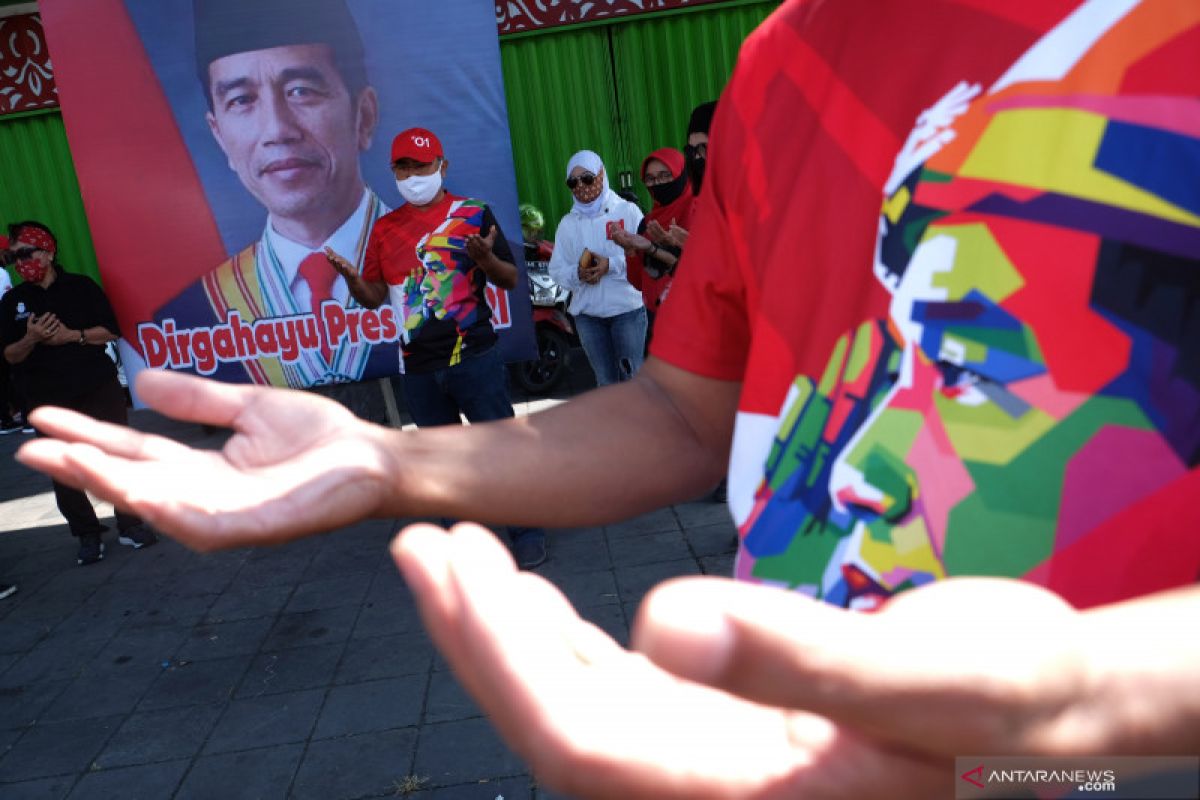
point(296, 463)
point(738, 690)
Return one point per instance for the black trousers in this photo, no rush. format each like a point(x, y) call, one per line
point(106, 403)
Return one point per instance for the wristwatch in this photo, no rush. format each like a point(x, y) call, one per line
point(82, 336)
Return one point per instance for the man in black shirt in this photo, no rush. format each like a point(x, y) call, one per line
point(53, 328)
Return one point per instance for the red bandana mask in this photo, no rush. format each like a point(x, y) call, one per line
point(32, 269)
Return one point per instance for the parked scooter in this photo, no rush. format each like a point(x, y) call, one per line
point(553, 326)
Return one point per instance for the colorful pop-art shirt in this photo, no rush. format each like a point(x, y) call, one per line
point(441, 293)
point(952, 252)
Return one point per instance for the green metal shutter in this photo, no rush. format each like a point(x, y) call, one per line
point(39, 183)
point(560, 100)
point(620, 88)
point(667, 65)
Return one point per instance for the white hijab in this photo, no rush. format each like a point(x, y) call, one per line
point(593, 164)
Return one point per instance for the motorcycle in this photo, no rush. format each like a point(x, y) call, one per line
point(553, 327)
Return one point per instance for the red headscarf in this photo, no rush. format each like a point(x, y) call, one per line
point(680, 209)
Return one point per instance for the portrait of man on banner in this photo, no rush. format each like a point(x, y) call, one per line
point(285, 109)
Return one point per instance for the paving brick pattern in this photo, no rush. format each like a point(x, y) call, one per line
point(295, 672)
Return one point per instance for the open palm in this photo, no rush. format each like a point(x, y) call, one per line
point(296, 463)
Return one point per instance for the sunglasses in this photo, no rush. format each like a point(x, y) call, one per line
point(587, 179)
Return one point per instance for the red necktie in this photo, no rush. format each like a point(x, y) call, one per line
point(318, 273)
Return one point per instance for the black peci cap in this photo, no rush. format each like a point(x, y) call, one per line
point(226, 27)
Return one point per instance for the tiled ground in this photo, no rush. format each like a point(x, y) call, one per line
point(300, 671)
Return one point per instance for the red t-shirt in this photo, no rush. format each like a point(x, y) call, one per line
point(952, 255)
point(421, 253)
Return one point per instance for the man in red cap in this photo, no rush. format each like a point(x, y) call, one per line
point(53, 329)
point(432, 259)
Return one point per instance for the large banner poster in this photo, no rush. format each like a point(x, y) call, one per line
point(220, 144)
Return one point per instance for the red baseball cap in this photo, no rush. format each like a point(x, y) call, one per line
point(418, 144)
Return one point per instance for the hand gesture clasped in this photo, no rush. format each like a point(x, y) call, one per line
point(296, 463)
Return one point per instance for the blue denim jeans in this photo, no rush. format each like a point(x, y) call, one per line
point(614, 345)
point(477, 386)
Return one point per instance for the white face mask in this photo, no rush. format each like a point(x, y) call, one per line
point(420, 189)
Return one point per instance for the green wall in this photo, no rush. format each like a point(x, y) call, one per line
point(39, 183)
point(622, 89)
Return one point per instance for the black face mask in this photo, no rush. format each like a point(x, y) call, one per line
point(695, 167)
point(667, 193)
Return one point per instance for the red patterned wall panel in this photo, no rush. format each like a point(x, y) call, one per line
point(513, 16)
point(26, 76)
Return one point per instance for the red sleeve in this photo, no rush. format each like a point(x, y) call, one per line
point(633, 268)
point(703, 325)
point(372, 269)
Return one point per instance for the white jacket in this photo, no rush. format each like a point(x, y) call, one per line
point(614, 294)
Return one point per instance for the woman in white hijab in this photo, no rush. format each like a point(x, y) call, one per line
point(608, 310)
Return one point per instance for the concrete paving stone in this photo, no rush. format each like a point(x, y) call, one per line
point(334, 561)
point(648, 548)
point(464, 751)
point(150, 736)
point(372, 706)
point(718, 565)
point(712, 540)
point(341, 590)
point(44, 789)
point(207, 580)
point(610, 619)
point(102, 695)
point(662, 519)
point(262, 721)
point(248, 602)
point(291, 670)
point(141, 647)
point(51, 559)
point(518, 788)
point(633, 582)
point(583, 588)
point(8, 738)
point(580, 550)
point(322, 626)
point(367, 765)
point(365, 535)
point(383, 619)
point(57, 748)
point(702, 512)
point(21, 706)
point(195, 683)
point(146, 782)
point(21, 635)
point(7, 660)
point(447, 700)
point(272, 572)
point(262, 774)
point(541, 793)
point(90, 623)
point(162, 559)
point(52, 658)
point(223, 639)
point(385, 657)
point(171, 611)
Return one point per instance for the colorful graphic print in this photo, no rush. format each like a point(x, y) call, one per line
point(1039, 371)
point(446, 286)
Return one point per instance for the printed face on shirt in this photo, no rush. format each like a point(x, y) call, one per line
point(1034, 374)
point(289, 127)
